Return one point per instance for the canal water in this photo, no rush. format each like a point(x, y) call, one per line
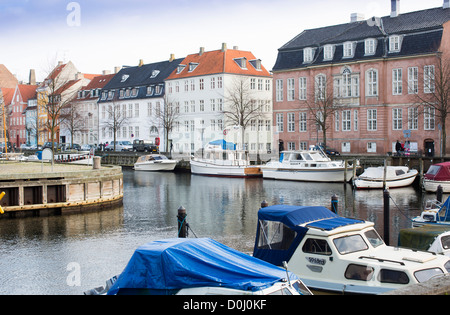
point(67, 255)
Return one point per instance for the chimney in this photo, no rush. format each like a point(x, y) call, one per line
point(106, 72)
point(446, 4)
point(60, 63)
point(79, 76)
point(32, 80)
point(141, 62)
point(172, 57)
point(395, 8)
point(224, 47)
point(117, 69)
point(356, 17)
point(235, 48)
point(202, 51)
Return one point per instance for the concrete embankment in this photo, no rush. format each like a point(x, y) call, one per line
point(437, 286)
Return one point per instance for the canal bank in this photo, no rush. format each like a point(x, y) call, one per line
point(36, 189)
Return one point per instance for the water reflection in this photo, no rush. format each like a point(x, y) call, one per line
point(35, 252)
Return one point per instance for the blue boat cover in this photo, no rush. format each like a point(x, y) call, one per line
point(444, 211)
point(292, 217)
point(166, 266)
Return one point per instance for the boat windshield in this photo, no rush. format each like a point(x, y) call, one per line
point(350, 244)
point(374, 238)
point(433, 169)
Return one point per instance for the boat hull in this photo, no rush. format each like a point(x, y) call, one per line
point(209, 169)
point(332, 175)
point(373, 183)
point(432, 185)
point(155, 166)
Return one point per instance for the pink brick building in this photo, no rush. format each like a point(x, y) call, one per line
point(367, 80)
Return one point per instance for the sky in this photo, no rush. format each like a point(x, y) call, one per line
point(99, 35)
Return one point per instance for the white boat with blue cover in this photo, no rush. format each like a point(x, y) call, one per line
point(434, 213)
point(336, 254)
point(201, 267)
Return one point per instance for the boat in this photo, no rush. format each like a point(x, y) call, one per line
point(200, 266)
point(337, 254)
point(437, 175)
point(434, 213)
point(310, 165)
point(432, 238)
point(396, 176)
point(154, 163)
point(220, 158)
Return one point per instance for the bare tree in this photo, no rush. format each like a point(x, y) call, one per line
point(72, 119)
point(435, 99)
point(241, 108)
point(115, 119)
point(322, 105)
point(168, 116)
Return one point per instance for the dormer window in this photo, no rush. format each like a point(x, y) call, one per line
point(241, 62)
point(192, 66)
point(328, 52)
point(154, 74)
point(370, 46)
point(349, 49)
point(134, 92)
point(150, 90)
point(180, 68)
point(124, 78)
point(395, 43)
point(256, 64)
point(308, 55)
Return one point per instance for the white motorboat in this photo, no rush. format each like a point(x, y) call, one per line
point(430, 237)
point(312, 166)
point(434, 213)
point(222, 160)
point(437, 175)
point(199, 267)
point(337, 254)
point(154, 163)
point(393, 176)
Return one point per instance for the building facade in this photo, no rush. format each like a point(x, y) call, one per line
point(208, 89)
point(17, 114)
point(367, 83)
point(131, 105)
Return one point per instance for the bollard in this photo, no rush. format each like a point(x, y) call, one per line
point(439, 192)
point(182, 225)
point(334, 204)
point(97, 163)
point(264, 204)
point(386, 216)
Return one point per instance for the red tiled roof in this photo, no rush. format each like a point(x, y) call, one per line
point(99, 82)
point(27, 92)
point(7, 95)
point(219, 61)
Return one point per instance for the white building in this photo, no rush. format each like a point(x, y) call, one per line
point(202, 91)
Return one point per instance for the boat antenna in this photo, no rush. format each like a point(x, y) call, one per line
point(285, 266)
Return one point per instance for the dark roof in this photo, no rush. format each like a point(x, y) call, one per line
point(422, 33)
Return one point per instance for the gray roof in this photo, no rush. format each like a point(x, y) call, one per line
point(422, 33)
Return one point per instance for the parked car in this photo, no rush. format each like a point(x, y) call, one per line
point(68, 146)
point(329, 151)
point(144, 146)
point(48, 145)
point(120, 146)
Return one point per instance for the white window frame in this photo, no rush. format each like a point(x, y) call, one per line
point(395, 43)
point(291, 122)
point(308, 55)
point(349, 49)
point(397, 119)
point(280, 122)
point(303, 122)
point(370, 46)
point(372, 82)
point(347, 120)
point(413, 118)
point(302, 88)
point(429, 118)
point(328, 52)
point(413, 80)
point(291, 89)
point(372, 120)
point(279, 90)
point(397, 81)
point(429, 77)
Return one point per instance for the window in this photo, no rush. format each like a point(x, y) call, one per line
point(275, 235)
point(397, 79)
point(290, 89)
point(302, 122)
point(154, 74)
point(193, 66)
point(291, 122)
point(328, 52)
point(370, 46)
point(359, 272)
point(252, 84)
point(124, 78)
point(413, 120)
point(346, 85)
point(429, 118)
point(395, 43)
point(321, 86)
point(413, 80)
point(302, 88)
point(346, 120)
point(180, 68)
point(242, 62)
point(372, 119)
point(345, 147)
point(397, 119)
point(202, 84)
point(279, 91)
point(372, 82)
point(213, 83)
point(373, 237)
point(371, 147)
point(336, 120)
point(428, 79)
point(280, 124)
point(393, 276)
point(350, 244)
point(316, 246)
point(308, 55)
point(355, 120)
point(349, 49)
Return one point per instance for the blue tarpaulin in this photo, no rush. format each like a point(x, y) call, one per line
point(224, 145)
point(166, 266)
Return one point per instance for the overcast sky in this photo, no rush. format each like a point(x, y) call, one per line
point(98, 35)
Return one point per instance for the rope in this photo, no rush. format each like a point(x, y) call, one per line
point(400, 209)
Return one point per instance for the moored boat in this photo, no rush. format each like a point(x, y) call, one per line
point(311, 165)
point(389, 177)
point(200, 267)
point(437, 175)
point(154, 163)
point(336, 254)
point(433, 238)
point(434, 213)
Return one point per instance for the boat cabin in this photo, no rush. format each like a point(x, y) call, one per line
point(303, 156)
point(434, 214)
point(152, 157)
point(439, 172)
